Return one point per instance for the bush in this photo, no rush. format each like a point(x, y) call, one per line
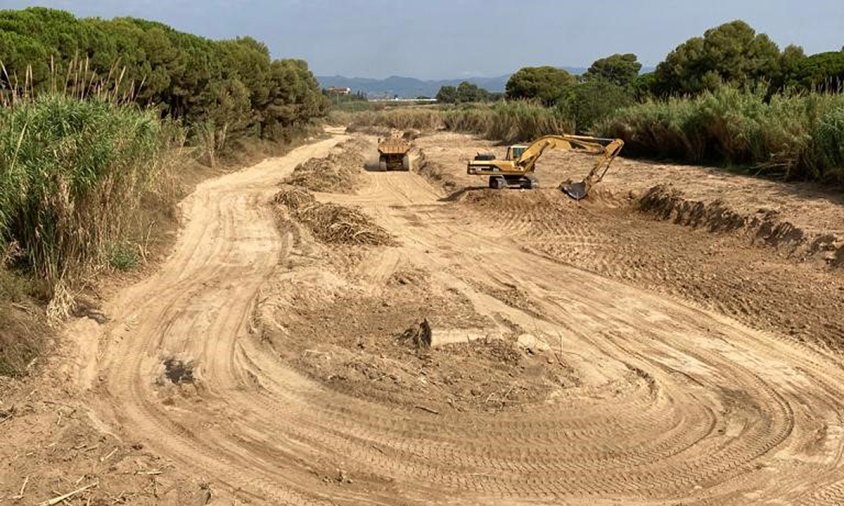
point(594, 100)
point(123, 257)
point(795, 137)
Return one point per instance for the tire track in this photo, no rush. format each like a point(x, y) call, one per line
point(675, 403)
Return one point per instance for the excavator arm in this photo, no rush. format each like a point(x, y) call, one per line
point(519, 172)
point(527, 161)
point(605, 149)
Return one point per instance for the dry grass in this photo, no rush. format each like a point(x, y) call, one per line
point(332, 223)
point(401, 118)
point(509, 122)
point(23, 331)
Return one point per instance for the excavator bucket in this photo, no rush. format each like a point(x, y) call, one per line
point(577, 191)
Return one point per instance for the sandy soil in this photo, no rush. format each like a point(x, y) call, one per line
point(584, 353)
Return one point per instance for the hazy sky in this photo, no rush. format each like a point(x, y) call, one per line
point(459, 38)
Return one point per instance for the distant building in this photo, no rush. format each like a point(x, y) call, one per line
point(336, 90)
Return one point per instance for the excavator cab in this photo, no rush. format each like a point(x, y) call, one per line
point(515, 152)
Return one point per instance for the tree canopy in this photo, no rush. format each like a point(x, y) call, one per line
point(820, 72)
point(619, 69)
point(233, 84)
point(463, 93)
point(546, 84)
point(731, 53)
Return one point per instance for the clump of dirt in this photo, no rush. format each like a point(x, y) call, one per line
point(409, 276)
point(765, 226)
point(419, 335)
point(332, 223)
point(178, 371)
point(338, 172)
point(507, 293)
point(506, 199)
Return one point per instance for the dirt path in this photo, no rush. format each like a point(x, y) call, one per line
point(668, 403)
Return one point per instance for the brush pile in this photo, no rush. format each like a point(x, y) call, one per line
point(336, 173)
point(332, 223)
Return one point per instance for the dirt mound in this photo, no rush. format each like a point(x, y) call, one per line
point(419, 335)
point(339, 172)
point(332, 223)
point(765, 226)
point(436, 173)
point(376, 342)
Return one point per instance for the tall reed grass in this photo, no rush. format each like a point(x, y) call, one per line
point(504, 121)
point(509, 122)
point(72, 174)
point(402, 118)
point(794, 137)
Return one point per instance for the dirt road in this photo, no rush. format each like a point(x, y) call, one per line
point(231, 363)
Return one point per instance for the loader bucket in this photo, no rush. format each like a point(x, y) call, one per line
point(577, 191)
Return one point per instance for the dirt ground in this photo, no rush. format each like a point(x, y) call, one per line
point(640, 347)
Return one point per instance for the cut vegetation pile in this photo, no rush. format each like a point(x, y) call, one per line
point(336, 173)
point(332, 223)
point(437, 173)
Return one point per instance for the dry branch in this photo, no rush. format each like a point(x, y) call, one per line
point(429, 410)
point(61, 498)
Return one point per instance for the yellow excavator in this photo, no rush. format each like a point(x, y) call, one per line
point(517, 169)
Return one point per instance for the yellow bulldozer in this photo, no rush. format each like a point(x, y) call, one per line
point(517, 169)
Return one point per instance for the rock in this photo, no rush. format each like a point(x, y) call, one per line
point(532, 344)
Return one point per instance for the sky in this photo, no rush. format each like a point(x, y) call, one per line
point(450, 39)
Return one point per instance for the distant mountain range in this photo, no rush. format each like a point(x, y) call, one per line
point(409, 87)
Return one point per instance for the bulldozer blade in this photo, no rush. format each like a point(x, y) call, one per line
point(577, 191)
